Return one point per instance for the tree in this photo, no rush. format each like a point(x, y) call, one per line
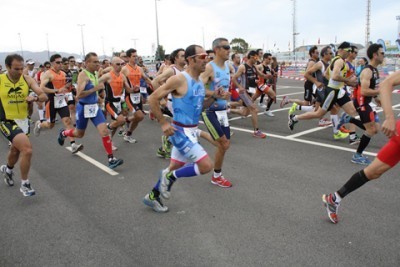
point(160, 53)
point(239, 45)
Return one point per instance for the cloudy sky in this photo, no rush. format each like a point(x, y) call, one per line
point(114, 24)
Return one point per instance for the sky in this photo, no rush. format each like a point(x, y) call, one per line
point(112, 25)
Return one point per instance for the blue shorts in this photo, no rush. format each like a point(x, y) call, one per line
point(81, 121)
point(217, 123)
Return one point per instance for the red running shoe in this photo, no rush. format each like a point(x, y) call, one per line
point(221, 181)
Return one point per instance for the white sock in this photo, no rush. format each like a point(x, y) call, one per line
point(24, 181)
point(335, 122)
point(338, 198)
point(217, 174)
point(307, 108)
point(8, 170)
point(41, 114)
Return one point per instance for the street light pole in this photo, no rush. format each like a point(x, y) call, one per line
point(158, 40)
point(20, 44)
point(48, 49)
point(134, 42)
point(83, 42)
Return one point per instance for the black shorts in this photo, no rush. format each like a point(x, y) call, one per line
point(214, 126)
point(331, 98)
point(320, 95)
point(367, 114)
point(10, 129)
point(51, 111)
point(308, 95)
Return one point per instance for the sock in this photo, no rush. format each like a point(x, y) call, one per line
point(353, 135)
point(9, 169)
point(154, 193)
point(337, 197)
point(107, 144)
point(335, 123)
point(294, 118)
point(188, 170)
point(357, 180)
point(364, 141)
point(262, 98)
point(217, 173)
point(358, 123)
point(41, 114)
point(69, 133)
point(270, 101)
point(306, 108)
point(25, 182)
point(72, 142)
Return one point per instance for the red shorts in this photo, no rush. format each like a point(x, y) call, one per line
point(390, 153)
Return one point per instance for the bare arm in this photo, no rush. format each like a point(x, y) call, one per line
point(338, 65)
point(365, 79)
point(41, 96)
point(83, 79)
point(386, 88)
point(235, 77)
point(309, 72)
point(162, 78)
point(45, 79)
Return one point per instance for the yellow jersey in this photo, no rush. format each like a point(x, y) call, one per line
point(13, 96)
point(343, 72)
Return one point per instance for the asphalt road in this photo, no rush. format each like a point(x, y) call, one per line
point(272, 216)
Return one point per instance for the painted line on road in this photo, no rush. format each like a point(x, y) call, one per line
point(94, 162)
point(306, 141)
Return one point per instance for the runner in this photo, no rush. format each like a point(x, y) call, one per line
point(14, 123)
point(54, 84)
point(88, 108)
point(188, 156)
point(387, 158)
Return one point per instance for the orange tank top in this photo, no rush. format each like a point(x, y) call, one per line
point(58, 80)
point(134, 75)
point(117, 84)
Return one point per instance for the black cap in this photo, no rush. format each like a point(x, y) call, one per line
point(344, 45)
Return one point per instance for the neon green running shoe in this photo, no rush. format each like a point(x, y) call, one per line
point(340, 135)
point(292, 110)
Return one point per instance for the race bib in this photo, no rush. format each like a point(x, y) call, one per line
point(191, 133)
point(222, 116)
point(135, 98)
point(90, 110)
point(23, 124)
point(143, 90)
point(59, 101)
point(252, 90)
point(70, 96)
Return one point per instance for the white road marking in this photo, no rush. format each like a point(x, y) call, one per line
point(94, 162)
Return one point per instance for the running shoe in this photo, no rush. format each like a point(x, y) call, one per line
point(154, 203)
point(343, 120)
point(324, 122)
point(339, 135)
point(61, 137)
point(27, 190)
point(120, 133)
point(262, 105)
point(36, 129)
point(292, 109)
point(114, 162)
point(166, 144)
point(162, 154)
point(344, 130)
point(285, 101)
point(221, 181)
point(269, 113)
point(259, 134)
point(165, 184)
point(360, 159)
point(331, 207)
point(130, 139)
point(76, 148)
point(291, 122)
point(8, 177)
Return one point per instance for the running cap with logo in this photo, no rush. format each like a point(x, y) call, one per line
point(30, 62)
point(344, 45)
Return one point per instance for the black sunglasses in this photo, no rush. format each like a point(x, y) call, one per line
point(226, 47)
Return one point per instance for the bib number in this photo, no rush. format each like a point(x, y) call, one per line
point(90, 111)
point(117, 105)
point(23, 124)
point(59, 101)
point(252, 90)
point(135, 98)
point(191, 133)
point(222, 116)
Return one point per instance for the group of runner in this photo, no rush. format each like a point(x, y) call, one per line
point(193, 84)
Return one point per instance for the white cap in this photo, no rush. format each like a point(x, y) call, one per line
point(78, 60)
point(30, 62)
